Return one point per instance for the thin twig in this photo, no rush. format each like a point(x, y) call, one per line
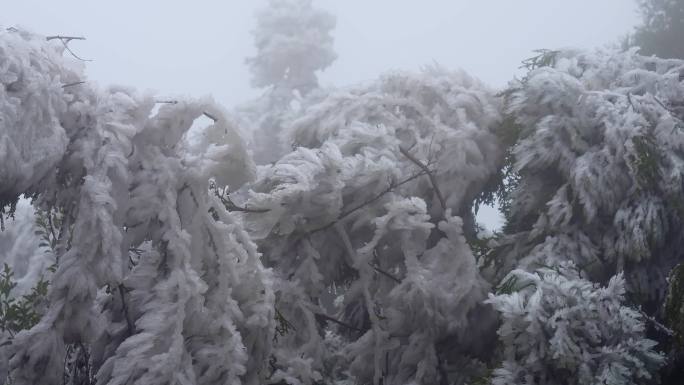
point(386, 274)
point(657, 324)
point(331, 319)
point(344, 214)
point(666, 108)
point(65, 38)
point(65, 42)
point(231, 206)
point(210, 116)
point(73, 84)
point(427, 170)
point(282, 317)
point(205, 113)
point(629, 99)
point(129, 323)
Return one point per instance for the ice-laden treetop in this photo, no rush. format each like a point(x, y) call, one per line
point(600, 166)
point(165, 286)
point(196, 307)
point(355, 206)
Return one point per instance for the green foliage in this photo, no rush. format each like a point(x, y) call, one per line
point(485, 379)
point(282, 326)
point(21, 313)
point(501, 185)
point(674, 304)
point(510, 285)
point(7, 208)
point(480, 247)
point(48, 223)
point(646, 162)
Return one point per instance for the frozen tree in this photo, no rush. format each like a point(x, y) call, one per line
point(561, 329)
point(293, 42)
point(662, 28)
point(600, 166)
point(363, 208)
point(369, 269)
point(154, 278)
point(598, 170)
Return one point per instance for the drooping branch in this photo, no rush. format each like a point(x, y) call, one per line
point(429, 173)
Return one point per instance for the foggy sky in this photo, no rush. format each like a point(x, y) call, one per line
point(198, 47)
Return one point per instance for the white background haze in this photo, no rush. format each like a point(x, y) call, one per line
point(198, 47)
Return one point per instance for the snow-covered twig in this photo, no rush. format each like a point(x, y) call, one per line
point(429, 173)
point(65, 42)
point(657, 324)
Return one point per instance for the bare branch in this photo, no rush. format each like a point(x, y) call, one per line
point(73, 84)
point(210, 116)
point(65, 42)
point(427, 170)
point(65, 38)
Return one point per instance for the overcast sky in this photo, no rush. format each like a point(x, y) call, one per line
point(198, 47)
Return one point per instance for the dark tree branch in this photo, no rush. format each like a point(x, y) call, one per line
point(65, 42)
point(657, 324)
point(73, 84)
point(64, 38)
point(386, 274)
point(429, 173)
point(345, 214)
point(129, 323)
point(231, 206)
point(210, 116)
point(333, 320)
